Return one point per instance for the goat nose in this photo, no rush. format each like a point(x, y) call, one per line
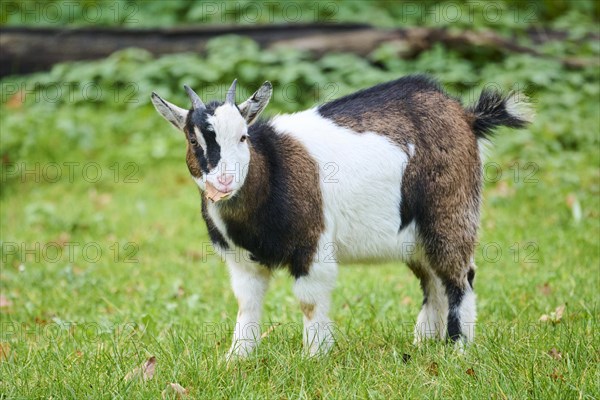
point(225, 179)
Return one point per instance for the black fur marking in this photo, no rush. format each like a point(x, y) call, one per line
point(414, 202)
point(199, 119)
point(300, 262)
point(199, 153)
point(471, 276)
point(425, 292)
point(454, 333)
point(455, 297)
point(406, 215)
point(490, 112)
point(401, 90)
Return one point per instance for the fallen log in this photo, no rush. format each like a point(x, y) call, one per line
point(24, 50)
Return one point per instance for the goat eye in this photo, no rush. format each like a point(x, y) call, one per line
point(243, 138)
point(193, 141)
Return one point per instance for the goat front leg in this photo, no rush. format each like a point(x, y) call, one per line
point(250, 282)
point(313, 290)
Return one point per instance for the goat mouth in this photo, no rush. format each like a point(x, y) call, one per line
point(214, 194)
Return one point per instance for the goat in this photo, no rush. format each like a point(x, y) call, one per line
point(407, 187)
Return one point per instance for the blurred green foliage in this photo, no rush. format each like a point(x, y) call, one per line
point(506, 15)
point(69, 97)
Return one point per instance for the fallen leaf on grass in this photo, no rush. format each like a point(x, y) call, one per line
point(5, 301)
point(268, 331)
point(555, 316)
point(471, 372)
point(17, 100)
point(554, 353)
point(4, 351)
point(433, 369)
point(559, 312)
point(406, 301)
point(555, 375)
point(176, 389)
point(575, 206)
point(100, 200)
point(503, 190)
point(62, 239)
point(194, 255)
point(144, 371)
point(545, 289)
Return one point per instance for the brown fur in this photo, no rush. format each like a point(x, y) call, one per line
point(192, 162)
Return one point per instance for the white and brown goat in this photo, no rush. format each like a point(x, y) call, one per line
point(407, 186)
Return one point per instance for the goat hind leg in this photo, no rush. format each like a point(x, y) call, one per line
point(431, 322)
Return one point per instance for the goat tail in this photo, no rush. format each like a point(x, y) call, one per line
point(494, 109)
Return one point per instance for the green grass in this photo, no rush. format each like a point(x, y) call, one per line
point(78, 325)
point(74, 324)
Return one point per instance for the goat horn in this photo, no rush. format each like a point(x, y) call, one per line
point(230, 97)
point(196, 102)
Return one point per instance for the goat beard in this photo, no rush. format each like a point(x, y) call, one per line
point(213, 194)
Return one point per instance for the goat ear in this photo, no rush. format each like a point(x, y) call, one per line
point(252, 107)
point(170, 112)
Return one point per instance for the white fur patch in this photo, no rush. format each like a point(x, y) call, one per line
point(314, 292)
point(519, 105)
point(200, 138)
point(229, 126)
point(483, 146)
point(361, 179)
point(250, 282)
point(213, 212)
point(201, 182)
point(468, 315)
point(433, 318)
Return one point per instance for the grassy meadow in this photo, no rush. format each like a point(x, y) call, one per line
point(106, 261)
